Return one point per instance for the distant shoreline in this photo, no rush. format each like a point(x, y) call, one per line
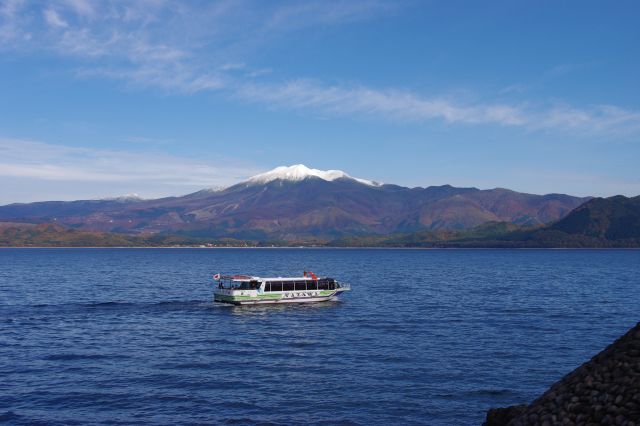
point(611, 223)
point(321, 248)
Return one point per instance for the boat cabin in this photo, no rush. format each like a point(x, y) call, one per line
point(295, 284)
point(275, 284)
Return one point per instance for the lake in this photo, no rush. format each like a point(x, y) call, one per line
point(131, 336)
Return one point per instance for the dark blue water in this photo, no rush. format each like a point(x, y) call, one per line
point(130, 336)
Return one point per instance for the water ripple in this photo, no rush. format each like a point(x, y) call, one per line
point(426, 337)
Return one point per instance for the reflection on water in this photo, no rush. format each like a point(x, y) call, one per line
point(267, 309)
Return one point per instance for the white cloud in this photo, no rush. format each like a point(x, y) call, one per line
point(124, 171)
point(561, 70)
point(259, 72)
point(232, 66)
point(83, 8)
point(307, 94)
point(154, 41)
point(168, 77)
point(188, 47)
point(407, 106)
point(11, 29)
point(514, 88)
point(53, 19)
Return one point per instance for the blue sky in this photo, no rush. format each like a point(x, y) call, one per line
point(160, 97)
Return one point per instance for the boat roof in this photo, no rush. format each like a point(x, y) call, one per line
point(244, 278)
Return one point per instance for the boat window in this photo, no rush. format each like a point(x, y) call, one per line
point(288, 286)
point(276, 286)
point(322, 284)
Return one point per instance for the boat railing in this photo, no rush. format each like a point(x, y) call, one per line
point(344, 286)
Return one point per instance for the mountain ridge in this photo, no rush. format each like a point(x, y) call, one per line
point(297, 202)
point(604, 215)
point(612, 222)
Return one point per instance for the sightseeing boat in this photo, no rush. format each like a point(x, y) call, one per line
point(248, 290)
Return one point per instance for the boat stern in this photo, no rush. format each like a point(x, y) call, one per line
point(236, 297)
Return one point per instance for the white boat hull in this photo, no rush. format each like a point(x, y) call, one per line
point(284, 298)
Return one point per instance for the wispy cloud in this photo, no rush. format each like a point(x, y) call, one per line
point(204, 47)
point(395, 104)
point(259, 72)
point(83, 8)
point(562, 70)
point(53, 19)
point(232, 66)
point(170, 77)
point(514, 88)
point(161, 173)
point(407, 106)
point(11, 22)
point(167, 43)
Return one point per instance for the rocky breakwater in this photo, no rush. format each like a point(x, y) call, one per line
point(603, 391)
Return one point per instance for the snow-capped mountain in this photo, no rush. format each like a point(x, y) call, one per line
point(297, 202)
point(300, 172)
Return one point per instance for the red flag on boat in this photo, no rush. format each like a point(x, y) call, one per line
point(216, 277)
point(310, 274)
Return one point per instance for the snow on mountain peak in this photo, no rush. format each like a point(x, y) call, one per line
point(300, 172)
point(125, 198)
